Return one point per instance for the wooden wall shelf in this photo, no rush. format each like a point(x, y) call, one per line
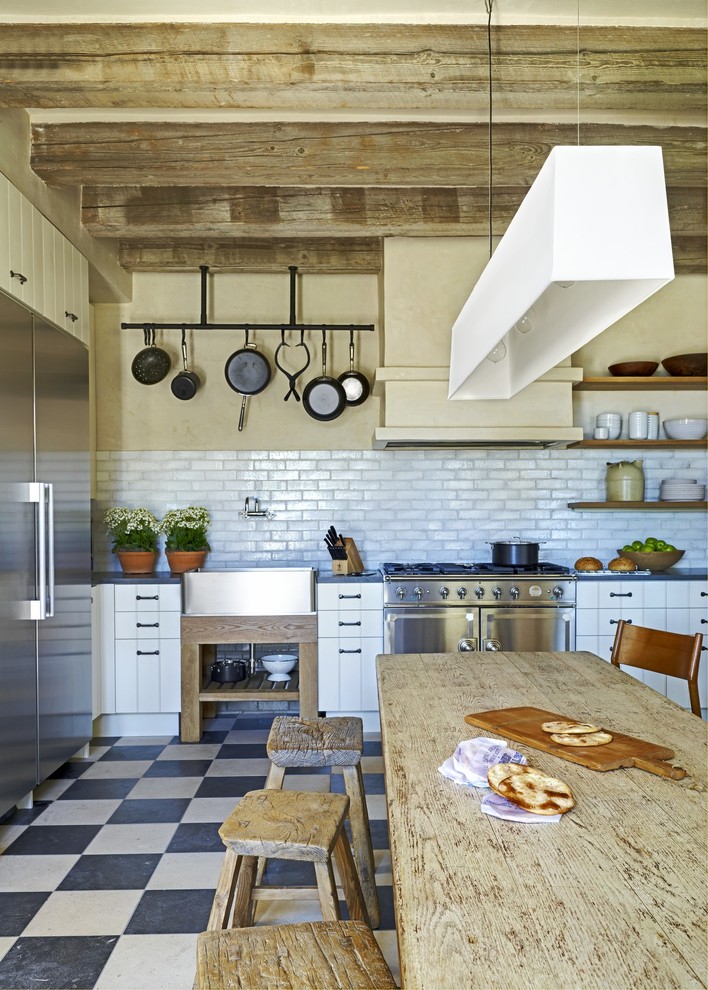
point(651, 384)
point(684, 444)
point(660, 506)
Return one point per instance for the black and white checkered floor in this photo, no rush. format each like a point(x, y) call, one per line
point(108, 879)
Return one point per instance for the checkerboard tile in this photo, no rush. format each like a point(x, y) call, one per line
point(107, 881)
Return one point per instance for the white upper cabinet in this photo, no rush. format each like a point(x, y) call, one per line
point(39, 266)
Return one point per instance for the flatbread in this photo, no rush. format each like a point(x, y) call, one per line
point(501, 770)
point(593, 739)
point(570, 728)
point(537, 793)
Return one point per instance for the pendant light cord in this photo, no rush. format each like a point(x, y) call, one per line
point(488, 4)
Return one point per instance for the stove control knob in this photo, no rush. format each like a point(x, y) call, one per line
point(418, 592)
point(497, 592)
point(401, 593)
point(479, 592)
point(514, 592)
point(557, 592)
point(444, 592)
point(462, 592)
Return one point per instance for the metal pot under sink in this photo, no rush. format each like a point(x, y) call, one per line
point(228, 671)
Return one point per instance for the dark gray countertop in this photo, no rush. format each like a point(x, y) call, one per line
point(672, 574)
point(166, 577)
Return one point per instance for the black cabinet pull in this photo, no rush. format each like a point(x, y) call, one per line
point(351, 651)
point(70, 316)
point(357, 623)
point(704, 594)
point(704, 621)
point(148, 625)
point(614, 622)
point(147, 598)
point(350, 596)
point(148, 653)
point(19, 276)
point(620, 594)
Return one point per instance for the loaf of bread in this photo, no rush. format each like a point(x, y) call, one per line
point(588, 564)
point(622, 564)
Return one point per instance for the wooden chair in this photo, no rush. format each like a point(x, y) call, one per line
point(307, 956)
point(337, 741)
point(669, 653)
point(294, 825)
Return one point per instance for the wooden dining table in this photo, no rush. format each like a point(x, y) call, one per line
point(614, 895)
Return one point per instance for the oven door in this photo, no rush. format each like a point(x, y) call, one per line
point(431, 630)
point(520, 629)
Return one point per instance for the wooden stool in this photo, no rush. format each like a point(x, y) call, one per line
point(300, 825)
point(329, 742)
point(310, 956)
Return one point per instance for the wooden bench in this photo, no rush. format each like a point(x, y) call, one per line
point(329, 742)
point(311, 956)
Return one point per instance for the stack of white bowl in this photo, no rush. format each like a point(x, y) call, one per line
point(681, 490)
point(612, 422)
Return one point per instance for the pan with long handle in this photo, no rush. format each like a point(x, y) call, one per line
point(248, 373)
point(324, 398)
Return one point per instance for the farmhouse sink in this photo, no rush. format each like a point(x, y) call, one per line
point(249, 591)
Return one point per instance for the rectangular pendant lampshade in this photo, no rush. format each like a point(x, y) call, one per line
point(590, 241)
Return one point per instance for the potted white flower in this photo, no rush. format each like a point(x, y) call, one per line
point(134, 533)
point(186, 543)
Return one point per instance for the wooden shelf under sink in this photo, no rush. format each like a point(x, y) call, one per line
point(257, 684)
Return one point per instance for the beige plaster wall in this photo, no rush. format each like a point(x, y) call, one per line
point(131, 416)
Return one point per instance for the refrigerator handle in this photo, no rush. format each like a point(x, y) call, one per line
point(43, 494)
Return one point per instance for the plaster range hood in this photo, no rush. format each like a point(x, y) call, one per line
point(418, 414)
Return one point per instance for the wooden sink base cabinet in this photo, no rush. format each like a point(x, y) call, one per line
point(202, 633)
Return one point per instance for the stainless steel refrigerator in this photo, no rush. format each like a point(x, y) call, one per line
point(45, 551)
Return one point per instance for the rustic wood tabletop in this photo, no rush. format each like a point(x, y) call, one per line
point(613, 895)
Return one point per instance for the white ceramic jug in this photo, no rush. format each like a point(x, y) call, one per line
point(624, 481)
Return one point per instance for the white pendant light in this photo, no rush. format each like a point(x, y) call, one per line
point(590, 241)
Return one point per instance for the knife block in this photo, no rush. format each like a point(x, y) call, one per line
point(353, 563)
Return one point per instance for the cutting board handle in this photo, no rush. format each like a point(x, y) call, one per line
point(659, 767)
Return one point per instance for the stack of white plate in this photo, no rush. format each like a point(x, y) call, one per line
point(681, 490)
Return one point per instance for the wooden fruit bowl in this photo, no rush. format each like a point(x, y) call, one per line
point(657, 560)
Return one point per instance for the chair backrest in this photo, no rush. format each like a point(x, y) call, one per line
point(664, 652)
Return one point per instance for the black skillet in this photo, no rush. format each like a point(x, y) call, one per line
point(248, 373)
point(354, 383)
point(324, 398)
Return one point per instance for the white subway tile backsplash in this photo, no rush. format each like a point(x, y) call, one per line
point(398, 505)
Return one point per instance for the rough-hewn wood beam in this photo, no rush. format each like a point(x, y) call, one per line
point(341, 154)
point(351, 66)
point(171, 213)
point(343, 255)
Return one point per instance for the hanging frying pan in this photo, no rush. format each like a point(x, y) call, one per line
point(152, 364)
point(248, 373)
point(324, 398)
point(185, 384)
point(354, 383)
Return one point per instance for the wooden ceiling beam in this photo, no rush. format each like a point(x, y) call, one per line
point(364, 67)
point(341, 154)
point(353, 255)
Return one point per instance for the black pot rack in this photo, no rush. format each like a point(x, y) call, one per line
point(204, 324)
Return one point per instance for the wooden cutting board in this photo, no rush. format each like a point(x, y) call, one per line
point(524, 725)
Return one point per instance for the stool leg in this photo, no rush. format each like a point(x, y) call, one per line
point(350, 880)
point(243, 903)
point(223, 898)
point(361, 840)
point(329, 901)
point(274, 782)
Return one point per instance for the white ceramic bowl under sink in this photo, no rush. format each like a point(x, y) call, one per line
point(685, 429)
point(279, 665)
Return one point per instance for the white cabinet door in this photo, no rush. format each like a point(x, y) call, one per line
point(20, 246)
point(147, 676)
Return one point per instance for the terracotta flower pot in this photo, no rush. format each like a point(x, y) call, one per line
point(185, 560)
point(137, 561)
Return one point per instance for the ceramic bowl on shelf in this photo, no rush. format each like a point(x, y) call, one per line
point(633, 369)
point(279, 665)
point(657, 560)
point(685, 429)
point(687, 365)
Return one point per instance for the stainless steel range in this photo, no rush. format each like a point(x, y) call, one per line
point(447, 608)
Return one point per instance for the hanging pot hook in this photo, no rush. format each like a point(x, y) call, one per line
point(184, 346)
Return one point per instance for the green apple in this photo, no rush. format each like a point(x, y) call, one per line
point(637, 545)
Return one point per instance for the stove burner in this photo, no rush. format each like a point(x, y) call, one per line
point(423, 569)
